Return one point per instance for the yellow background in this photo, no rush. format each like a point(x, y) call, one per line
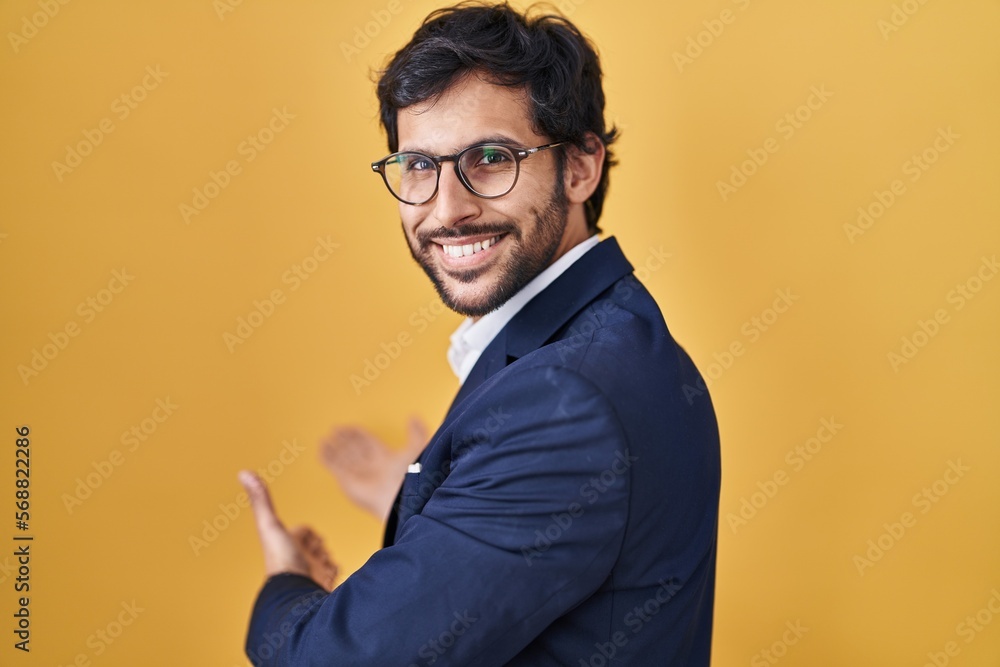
point(685, 126)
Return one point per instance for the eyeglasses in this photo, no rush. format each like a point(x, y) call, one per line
point(486, 170)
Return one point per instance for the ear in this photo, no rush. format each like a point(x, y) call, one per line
point(583, 170)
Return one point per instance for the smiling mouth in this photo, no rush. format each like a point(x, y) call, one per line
point(468, 249)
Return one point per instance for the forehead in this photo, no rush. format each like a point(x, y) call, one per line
point(470, 110)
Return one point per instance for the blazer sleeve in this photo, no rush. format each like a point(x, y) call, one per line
point(526, 524)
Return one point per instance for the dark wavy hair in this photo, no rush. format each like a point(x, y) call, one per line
point(545, 53)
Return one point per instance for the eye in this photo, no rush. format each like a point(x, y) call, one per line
point(416, 162)
point(492, 155)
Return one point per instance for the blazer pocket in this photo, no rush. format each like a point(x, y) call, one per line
point(410, 500)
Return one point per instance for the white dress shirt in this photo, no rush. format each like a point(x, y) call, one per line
point(472, 337)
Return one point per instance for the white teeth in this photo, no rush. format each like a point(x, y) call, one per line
point(469, 248)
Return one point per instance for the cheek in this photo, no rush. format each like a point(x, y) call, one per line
point(409, 218)
point(533, 194)
point(521, 210)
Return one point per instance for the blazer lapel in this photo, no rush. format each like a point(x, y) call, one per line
point(548, 312)
point(538, 321)
point(492, 360)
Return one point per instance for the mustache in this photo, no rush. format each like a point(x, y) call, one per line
point(473, 229)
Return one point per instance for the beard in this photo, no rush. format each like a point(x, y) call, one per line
point(535, 248)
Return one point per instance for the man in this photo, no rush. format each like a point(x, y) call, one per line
point(565, 512)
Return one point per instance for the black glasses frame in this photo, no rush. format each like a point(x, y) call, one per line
point(519, 155)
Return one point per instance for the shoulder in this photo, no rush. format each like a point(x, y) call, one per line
point(540, 395)
point(620, 336)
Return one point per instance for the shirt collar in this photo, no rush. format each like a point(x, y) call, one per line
point(471, 338)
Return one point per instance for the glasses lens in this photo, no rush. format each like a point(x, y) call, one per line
point(411, 176)
point(490, 170)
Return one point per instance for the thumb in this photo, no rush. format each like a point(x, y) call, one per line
point(280, 551)
point(417, 436)
point(260, 502)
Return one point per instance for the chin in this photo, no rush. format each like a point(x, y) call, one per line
point(471, 303)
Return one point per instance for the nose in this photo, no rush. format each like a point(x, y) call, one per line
point(454, 204)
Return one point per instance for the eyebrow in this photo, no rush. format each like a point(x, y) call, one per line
point(490, 139)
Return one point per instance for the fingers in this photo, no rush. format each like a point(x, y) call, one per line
point(281, 553)
point(344, 458)
point(330, 453)
point(307, 539)
point(348, 445)
point(418, 436)
point(322, 569)
point(351, 447)
point(260, 501)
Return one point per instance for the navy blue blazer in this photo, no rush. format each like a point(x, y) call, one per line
point(565, 513)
